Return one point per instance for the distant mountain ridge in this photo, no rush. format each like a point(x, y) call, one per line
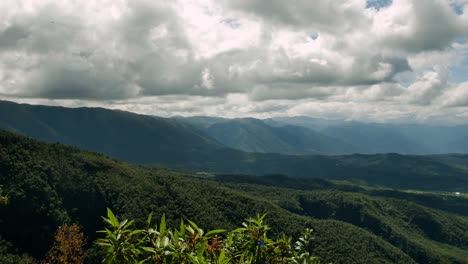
point(160, 141)
point(255, 135)
point(124, 135)
point(370, 138)
point(307, 135)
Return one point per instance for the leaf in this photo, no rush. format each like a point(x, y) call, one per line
point(106, 220)
point(112, 219)
point(103, 244)
point(238, 230)
point(111, 235)
point(150, 217)
point(149, 249)
point(193, 224)
point(215, 232)
point(135, 232)
point(129, 224)
point(182, 227)
point(162, 225)
point(190, 229)
point(123, 223)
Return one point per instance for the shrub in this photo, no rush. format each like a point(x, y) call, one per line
point(191, 244)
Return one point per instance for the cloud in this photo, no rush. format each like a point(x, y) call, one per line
point(235, 57)
point(428, 87)
point(416, 26)
point(336, 16)
point(456, 96)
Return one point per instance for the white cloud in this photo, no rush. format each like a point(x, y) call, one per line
point(456, 96)
point(428, 87)
point(207, 79)
point(271, 56)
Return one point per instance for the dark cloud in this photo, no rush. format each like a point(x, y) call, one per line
point(76, 78)
point(11, 35)
point(433, 26)
point(336, 16)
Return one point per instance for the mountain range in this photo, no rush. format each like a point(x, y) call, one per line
point(306, 135)
point(255, 135)
point(199, 144)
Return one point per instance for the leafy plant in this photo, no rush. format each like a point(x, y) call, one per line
point(191, 244)
point(122, 243)
point(301, 248)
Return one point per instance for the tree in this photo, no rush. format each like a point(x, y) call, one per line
point(3, 199)
point(68, 246)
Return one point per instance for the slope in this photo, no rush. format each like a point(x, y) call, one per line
point(124, 135)
point(49, 184)
point(425, 234)
point(157, 141)
point(253, 135)
point(372, 138)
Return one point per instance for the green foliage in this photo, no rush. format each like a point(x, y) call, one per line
point(3, 199)
point(190, 244)
point(301, 246)
point(9, 256)
point(121, 242)
point(52, 184)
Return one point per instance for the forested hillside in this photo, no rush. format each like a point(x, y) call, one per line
point(153, 141)
point(125, 135)
point(50, 184)
point(255, 135)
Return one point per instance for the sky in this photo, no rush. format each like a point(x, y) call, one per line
point(374, 60)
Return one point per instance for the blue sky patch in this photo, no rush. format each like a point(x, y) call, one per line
point(314, 35)
point(459, 73)
point(377, 4)
point(457, 7)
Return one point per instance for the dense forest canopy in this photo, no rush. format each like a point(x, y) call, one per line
point(49, 184)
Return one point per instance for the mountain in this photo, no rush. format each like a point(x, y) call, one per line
point(375, 138)
point(304, 121)
point(150, 140)
point(200, 122)
point(49, 184)
point(371, 138)
point(305, 135)
point(132, 137)
point(254, 135)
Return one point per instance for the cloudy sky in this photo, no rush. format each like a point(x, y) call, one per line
point(374, 60)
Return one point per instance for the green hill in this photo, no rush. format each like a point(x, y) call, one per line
point(255, 135)
point(49, 184)
point(128, 136)
point(150, 140)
